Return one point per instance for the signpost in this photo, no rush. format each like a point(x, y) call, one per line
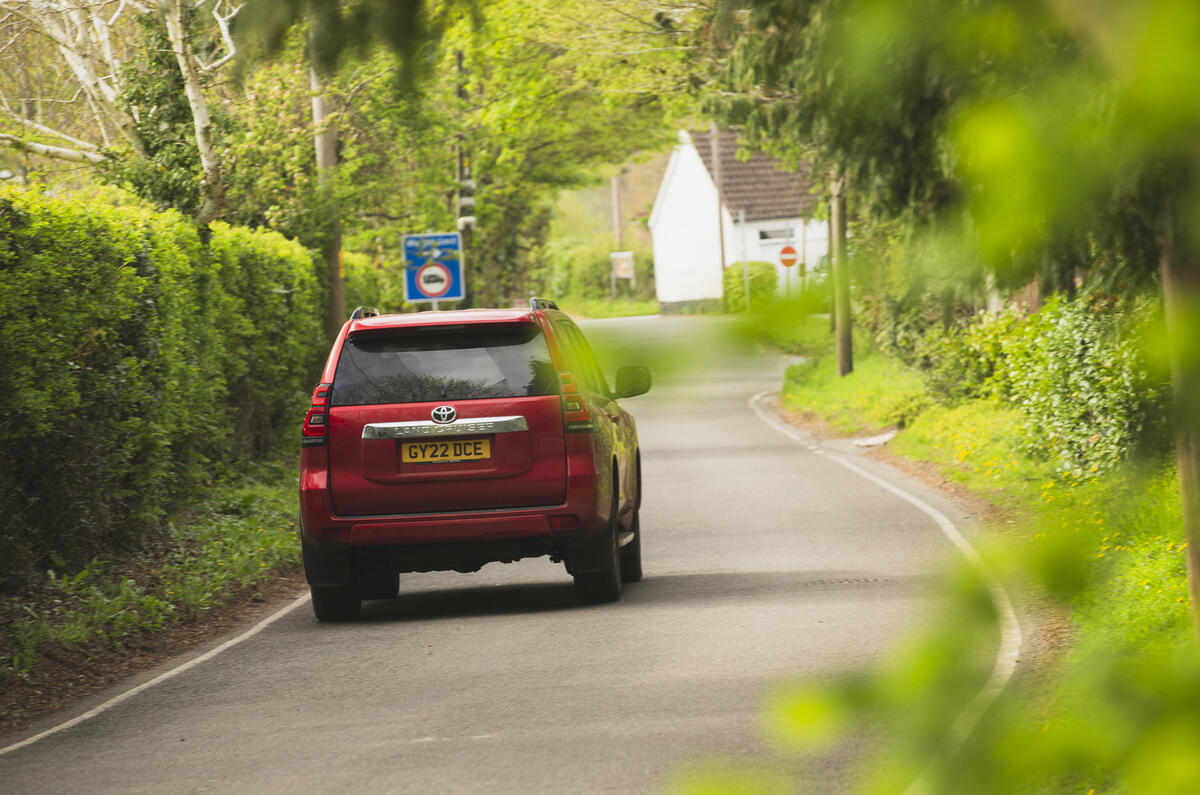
point(433, 268)
point(787, 258)
point(622, 268)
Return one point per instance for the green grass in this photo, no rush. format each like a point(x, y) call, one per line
point(622, 306)
point(976, 444)
point(245, 534)
point(879, 393)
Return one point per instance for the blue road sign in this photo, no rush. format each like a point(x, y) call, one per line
point(433, 269)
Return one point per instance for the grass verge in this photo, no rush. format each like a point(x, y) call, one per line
point(244, 536)
point(622, 306)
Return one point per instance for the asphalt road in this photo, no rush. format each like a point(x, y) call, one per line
point(764, 561)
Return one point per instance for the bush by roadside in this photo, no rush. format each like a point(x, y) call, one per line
point(762, 282)
point(142, 357)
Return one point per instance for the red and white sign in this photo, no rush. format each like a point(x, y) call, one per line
point(434, 280)
point(788, 256)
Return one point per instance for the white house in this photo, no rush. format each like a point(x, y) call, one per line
point(777, 207)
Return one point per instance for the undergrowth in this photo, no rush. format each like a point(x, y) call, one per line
point(198, 562)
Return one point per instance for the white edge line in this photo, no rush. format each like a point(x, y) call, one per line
point(1010, 630)
point(164, 676)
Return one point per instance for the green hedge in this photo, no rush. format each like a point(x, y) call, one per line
point(763, 283)
point(139, 357)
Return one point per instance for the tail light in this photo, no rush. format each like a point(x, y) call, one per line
point(316, 421)
point(576, 417)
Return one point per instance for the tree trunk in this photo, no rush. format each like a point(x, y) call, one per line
point(841, 278)
point(325, 141)
point(1181, 305)
point(212, 184)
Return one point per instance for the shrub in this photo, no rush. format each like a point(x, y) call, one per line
point(968, 362)
point(1085, 388)
point(762, 285)
point(137, 358)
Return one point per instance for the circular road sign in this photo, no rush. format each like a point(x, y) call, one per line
point(788, 256)
point(434, 280)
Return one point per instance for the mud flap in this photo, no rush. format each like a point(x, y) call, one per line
point(326, 567)
point(588, 553)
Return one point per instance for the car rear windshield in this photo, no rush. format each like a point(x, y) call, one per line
point(444, 363)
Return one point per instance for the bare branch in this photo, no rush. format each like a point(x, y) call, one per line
point(44, 130)
point(223, 24)
point(56, 152)
point(136, 6)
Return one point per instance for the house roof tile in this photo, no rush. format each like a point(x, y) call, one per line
point(756, 185)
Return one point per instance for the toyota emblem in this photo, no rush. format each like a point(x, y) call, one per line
point(444, 414)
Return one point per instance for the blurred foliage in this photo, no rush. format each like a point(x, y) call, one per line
point(1104, 699)
point(140, 360)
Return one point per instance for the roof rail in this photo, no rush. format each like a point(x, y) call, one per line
point(542, 303)
point(364, 311)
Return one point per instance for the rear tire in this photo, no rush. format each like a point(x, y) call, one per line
point(336, 602)
point(598, 587)
point(631, 553)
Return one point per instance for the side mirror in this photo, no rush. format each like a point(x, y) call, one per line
point(632, 381)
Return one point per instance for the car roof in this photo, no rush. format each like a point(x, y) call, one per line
point(441, 318)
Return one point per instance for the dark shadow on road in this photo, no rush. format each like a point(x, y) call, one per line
point(711, 587)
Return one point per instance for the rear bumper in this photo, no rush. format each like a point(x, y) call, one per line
point(335, 546)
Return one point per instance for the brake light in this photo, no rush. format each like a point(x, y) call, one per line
point(317, 419)
point(576, 417)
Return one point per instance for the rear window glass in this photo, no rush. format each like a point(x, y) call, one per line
point(455, 363)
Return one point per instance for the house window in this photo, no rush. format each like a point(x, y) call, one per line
point(775, 234)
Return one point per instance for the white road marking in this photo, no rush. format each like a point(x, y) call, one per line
point(1010, 630)
point(164, 676)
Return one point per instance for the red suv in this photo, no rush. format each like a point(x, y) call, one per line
point(447, 440)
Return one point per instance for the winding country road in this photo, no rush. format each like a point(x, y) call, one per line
point(764, 561)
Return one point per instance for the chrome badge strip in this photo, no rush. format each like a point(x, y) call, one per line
point(415, 430)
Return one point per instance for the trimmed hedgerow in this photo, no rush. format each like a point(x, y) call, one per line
point(138, 357)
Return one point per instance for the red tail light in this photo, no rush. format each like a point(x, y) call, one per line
point(576, 417)
point(316, 420)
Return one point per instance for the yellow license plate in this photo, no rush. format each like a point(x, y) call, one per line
point(445, 451)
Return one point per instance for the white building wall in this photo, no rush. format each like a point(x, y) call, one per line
point(687, 247)
point(811, 241)
point(686, 243)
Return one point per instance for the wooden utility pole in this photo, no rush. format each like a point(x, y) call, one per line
point(829, 274)
point(841, 277)
point(618, 232)
point(1181, 307)
point(714, 140)
point(325, 140)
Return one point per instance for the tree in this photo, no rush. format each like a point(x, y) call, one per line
point(94, 41)
point(535, 107)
